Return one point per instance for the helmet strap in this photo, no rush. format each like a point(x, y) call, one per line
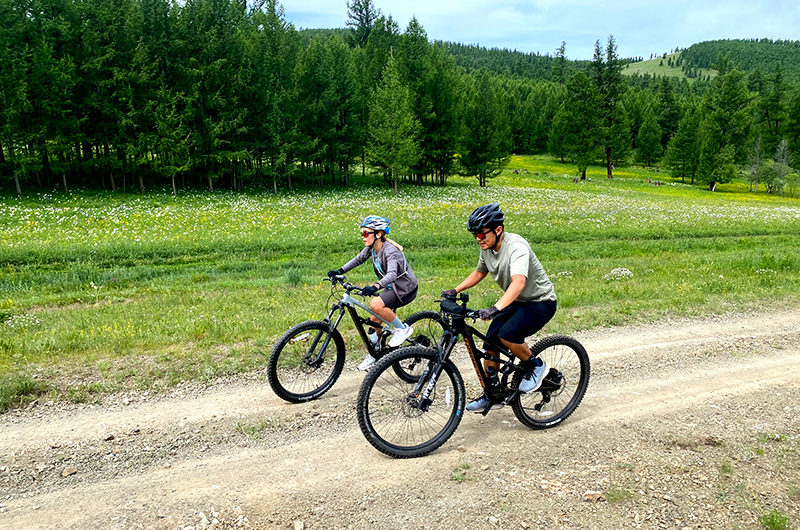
point(375, 238)
point(497, 238)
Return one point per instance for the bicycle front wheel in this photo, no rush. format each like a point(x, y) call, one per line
point(562, 389)
point(390, 410)
point(306, 361)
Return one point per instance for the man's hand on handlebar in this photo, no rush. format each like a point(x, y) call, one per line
point(487, 314)
point(449, 293)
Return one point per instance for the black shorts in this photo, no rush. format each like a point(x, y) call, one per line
point(390, 299)
point(520, 320)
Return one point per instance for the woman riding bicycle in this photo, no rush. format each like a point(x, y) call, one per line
point(529, 300)
point(395, 277)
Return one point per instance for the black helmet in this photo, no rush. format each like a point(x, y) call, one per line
point(486, 216)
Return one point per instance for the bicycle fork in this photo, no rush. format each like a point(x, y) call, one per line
point(314, 359)
point(428, 386)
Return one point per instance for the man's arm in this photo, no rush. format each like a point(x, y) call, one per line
point(511, 294)
point(472, 280)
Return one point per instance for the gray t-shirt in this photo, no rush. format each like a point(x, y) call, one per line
point(516, 257)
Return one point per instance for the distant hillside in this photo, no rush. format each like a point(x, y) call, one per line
point(672, 65)
point(692, 63)
point(509, 62)
point(748, 55)
point(474, 57)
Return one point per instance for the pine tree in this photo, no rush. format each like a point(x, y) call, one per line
point(582, 118)
point(441, 95)
point(361, 17)
point(683, 149)
point(557, 138)
point(793, 124)
point(606, 71)
point(771, 109)
point(668, 111)
point(394, 144)
point(726, 123)
point(648, 141)
point(559, 64)
point(482, 152)
point(274, 48)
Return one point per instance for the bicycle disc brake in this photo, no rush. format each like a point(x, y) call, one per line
point(414, 406)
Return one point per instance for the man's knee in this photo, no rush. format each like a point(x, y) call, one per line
point(509, 341)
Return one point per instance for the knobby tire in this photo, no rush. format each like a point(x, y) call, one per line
point(386, 408)
point(562, 389)
point(293, 371)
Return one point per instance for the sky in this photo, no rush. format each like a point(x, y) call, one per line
point(640, 27)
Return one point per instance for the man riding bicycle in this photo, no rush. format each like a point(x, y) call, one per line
point(529, 300)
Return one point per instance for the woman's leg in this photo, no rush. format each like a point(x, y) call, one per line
point(379, 306)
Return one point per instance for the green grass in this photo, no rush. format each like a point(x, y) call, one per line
point(660, 68)
point(460, 473)
point(774, 520)
point(616, 494)
point(123, 291)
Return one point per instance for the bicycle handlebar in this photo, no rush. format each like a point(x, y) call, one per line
point(449, 304)
point(339, 279)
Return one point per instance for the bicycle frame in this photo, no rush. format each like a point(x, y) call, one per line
point(350, 303)
point(458, 327)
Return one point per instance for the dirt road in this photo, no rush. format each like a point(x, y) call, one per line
point(686, 424)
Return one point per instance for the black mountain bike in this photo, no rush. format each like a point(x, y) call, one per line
point(308, 358)
point(413, 415)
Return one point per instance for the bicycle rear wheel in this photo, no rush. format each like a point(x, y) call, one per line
point(428, 328)
point(389, 411)
point(428, 331)
point(306, 361)
point(562, 389)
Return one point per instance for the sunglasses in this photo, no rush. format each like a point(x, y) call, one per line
point(367, 233)
point(480, 236)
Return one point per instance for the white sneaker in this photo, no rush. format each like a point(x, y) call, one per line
point(367, 363)
point(399, 335)
point(533, 380)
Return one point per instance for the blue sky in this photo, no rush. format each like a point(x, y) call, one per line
point(640, 27)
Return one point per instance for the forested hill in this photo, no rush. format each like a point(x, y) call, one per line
point(745, 54)
point(748, 55)
point(511, 62)
point(473, 57)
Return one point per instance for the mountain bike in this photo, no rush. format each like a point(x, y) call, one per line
point(406, 417)
point(308, 358)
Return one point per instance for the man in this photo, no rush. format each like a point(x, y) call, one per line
point(528, 302)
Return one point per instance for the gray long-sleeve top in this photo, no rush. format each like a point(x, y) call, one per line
point(392, 268)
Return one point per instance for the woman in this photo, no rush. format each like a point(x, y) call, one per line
point(395, 277)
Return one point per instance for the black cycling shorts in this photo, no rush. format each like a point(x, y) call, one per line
point(390, 299)
point(518, 321)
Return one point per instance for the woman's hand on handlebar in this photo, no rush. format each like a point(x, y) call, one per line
point(369, 290)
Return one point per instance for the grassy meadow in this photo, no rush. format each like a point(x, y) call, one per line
point(108, 292)
point(660, 68)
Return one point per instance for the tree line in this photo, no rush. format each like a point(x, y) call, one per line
point(748, 54)
point(139, 94)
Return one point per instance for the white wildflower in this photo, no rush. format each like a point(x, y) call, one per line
point(620, 273)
